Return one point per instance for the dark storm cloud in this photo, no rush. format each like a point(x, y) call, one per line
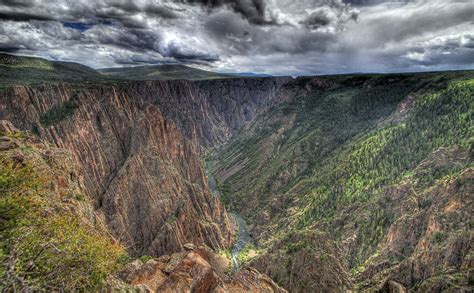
point(238, 36)
point(99, 11)
point(125, 12)
point(232, 27)
point(454, 50)
point(373, 2)
point(17, 3)
point(125, 29)
point(22, 16)
point(317, 20)
point(253, 10)
point(9, 49)
point(413, 20)
point(273, 36)
point(469, 42)
point(160, 11)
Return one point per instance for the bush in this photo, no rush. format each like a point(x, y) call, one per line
point(58, 113)
point(437, 237)
point(145, 258)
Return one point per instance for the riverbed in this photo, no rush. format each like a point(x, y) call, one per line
point(243, 235)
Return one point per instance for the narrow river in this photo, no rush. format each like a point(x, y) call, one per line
point(242, 239)
point(243, 235)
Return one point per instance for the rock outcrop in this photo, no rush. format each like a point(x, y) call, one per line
point(194, 270)
point(61, 174)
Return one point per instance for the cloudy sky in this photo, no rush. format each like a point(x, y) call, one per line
point(290, 37)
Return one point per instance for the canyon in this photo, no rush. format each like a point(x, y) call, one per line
point(116, 131)
point(357, 182)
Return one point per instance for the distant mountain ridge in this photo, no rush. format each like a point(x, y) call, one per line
point(162, 72)
point(29, 70)
point(171, 72)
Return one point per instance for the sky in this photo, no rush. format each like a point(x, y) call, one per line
point(279, 37)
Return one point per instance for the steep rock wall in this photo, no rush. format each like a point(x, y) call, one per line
point(138, 144)
point(210, 112)
point(143, 175)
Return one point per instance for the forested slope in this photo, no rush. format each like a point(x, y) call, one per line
point(356, 177)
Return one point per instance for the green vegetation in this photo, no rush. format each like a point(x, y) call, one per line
point(15, 70)
point(162, 72)
point(247, 253)
point(43, 246)
point(437, 238)
point(224, 191)
point(382, 157)
point(342, 144)
point(145, 258)
point(325, 159)
point(58, 113)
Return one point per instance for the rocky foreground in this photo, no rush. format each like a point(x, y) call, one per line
point(195, 270)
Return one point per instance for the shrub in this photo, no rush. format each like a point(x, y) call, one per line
point(437, 237)
point(58, 113)
point(145, 258)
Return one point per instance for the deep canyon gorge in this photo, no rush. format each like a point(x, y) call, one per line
point(343, 183)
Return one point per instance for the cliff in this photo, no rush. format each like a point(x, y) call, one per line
point(51, 236)
point(210, 112)
point(138, 144)
point(143, 176)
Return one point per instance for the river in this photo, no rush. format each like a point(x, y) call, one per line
point(243, 235)
point(242, 239)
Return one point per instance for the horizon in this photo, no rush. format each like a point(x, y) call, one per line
point(255, 73)
point(276, 37)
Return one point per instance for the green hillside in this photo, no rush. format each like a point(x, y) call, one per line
point(31, 70)
point(324, 162)
point(161, 72)
point(16, 70)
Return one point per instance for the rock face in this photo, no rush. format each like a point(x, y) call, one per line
point(195, 270)
point(143, 175)
point(138, 146)
point(210, 112)
point(307, 262)
point(429, 247)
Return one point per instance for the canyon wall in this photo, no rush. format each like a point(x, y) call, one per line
point(138, 144)
point(142, 174)
point(359, 183)
point(209, 112)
